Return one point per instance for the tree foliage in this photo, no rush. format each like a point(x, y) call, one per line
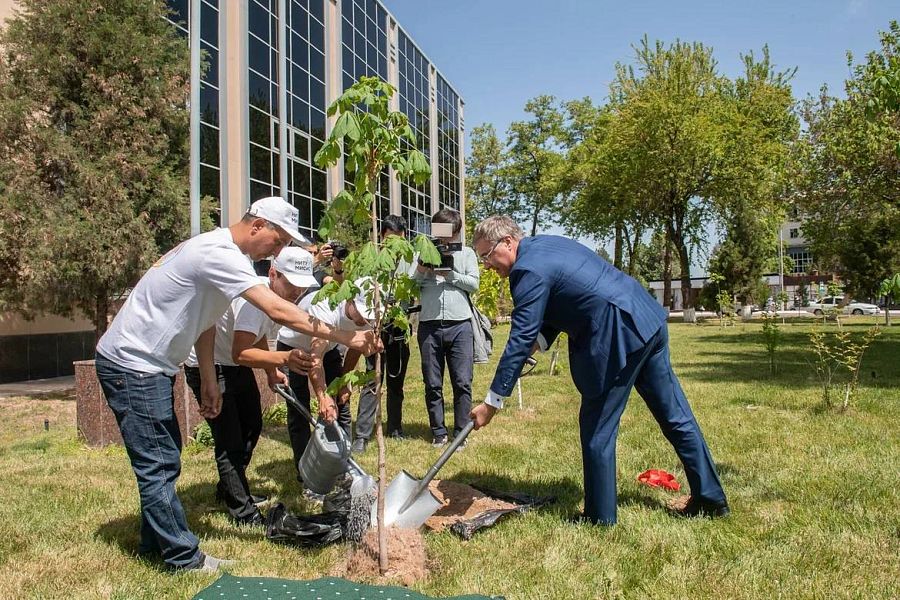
point(536, 164)
point(487, 184)
point(93, 159)
point(372, 138)
point(678, 145)
point(846, 170)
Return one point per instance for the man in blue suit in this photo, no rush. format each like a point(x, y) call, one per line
point(617, 340)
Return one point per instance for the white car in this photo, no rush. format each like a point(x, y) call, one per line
point(852, 308)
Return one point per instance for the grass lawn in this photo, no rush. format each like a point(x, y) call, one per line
point(815, 495)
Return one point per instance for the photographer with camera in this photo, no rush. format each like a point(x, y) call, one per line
point(445, 328)
point(394, 361)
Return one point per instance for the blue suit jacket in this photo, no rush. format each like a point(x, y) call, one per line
point(560, 285)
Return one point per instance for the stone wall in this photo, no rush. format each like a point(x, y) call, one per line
point(97, 424)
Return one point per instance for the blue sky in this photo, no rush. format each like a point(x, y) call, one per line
point(500, 53)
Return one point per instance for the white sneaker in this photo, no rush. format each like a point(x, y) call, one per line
point(211, 564)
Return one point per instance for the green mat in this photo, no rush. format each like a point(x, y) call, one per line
point(229, 587)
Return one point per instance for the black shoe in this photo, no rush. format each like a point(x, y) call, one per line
point(397, 435)
point(439, 441)
point(257, 500)
point(582, 519)
point(254, 520)
point(359, 445)
point(699, 508)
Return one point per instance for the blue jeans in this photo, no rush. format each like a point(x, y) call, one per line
point(144, 407)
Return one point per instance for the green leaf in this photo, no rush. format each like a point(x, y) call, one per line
point(366, 259)
point(341, 203)
point(428, 254)
point(386, 261)
point(326, 292)
point(326, 224)
point(399, 246)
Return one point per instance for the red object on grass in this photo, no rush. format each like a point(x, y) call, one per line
point(659, 478)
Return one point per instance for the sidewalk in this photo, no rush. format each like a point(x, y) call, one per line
point(37, 387)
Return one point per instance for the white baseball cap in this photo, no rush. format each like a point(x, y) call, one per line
point(297, 265)
point(366, 286)
point(277, 211)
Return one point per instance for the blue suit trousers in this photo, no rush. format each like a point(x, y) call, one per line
point(649, 370)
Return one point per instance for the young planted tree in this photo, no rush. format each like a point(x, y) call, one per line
point(372, 138)
point(890, 290)
point(93, 152)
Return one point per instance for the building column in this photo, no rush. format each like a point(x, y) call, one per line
point(194, 176)
point(394, 80)
point(433, 134)
point(462, 165)
point(333, 84)
point(233, 103)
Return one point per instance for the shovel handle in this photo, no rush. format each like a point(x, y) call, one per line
point(445, 456)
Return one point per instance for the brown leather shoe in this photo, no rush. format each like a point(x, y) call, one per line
point(699, 508)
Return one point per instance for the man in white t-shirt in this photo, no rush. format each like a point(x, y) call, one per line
point(349, 315)
point(174, 306)
point(242, 335)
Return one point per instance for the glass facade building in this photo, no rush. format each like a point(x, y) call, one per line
point(266, 72)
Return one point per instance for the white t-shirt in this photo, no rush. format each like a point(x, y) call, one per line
point(176, 300)
point(240, 316)
point(336, 317)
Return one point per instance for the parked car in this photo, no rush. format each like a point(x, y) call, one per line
point(852, 308)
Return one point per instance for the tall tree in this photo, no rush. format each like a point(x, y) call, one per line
point(93, 152)
point(487, 186)
point(846, 170)
point(670, 109)
point(536, 163)
point(747, 191)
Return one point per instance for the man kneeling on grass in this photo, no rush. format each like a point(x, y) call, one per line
point(349, 315)
point(174, 306)
point(242, 335)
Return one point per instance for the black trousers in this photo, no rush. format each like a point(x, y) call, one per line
point(299, 429)
point(235, 432)
point(394, 361)
point(450, 343)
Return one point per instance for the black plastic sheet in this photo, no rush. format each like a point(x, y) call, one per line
point(524, 502)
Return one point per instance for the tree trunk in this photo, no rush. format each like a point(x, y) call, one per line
point(667, 274)
point(101, 316)
point(685, 261)
point(534, 221)
point(617, 248)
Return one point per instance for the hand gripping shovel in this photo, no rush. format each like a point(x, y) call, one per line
point(406, 503)
point(362, 481)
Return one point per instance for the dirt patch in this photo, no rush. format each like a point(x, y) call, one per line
point(461, 502)
point(678, 503)
point(407, 561)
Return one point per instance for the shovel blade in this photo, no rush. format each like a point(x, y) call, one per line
point(397, 494)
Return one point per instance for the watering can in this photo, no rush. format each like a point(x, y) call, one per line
point(327, 456)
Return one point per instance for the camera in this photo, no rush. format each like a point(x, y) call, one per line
point(339, 251)
point(446, 249)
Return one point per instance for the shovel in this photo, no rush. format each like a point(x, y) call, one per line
point(362, 481)
point(406, 503)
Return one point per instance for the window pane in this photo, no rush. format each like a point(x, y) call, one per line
point(209, 64)
point(317, 123)
point(317, 64)
point(259, 56)
point(259, 92)
point(209, 182)
point(319, 188)
point(258, 21)
point(301, 178)
point(209, 24)
point(209, 145)
point(260, 163)
point(209, 104)
point(316, 94)
point(260, 131)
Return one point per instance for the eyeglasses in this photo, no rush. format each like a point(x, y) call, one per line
point(486, 257)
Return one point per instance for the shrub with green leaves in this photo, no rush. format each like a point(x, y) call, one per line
point(839, 357)
point(771, 334)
